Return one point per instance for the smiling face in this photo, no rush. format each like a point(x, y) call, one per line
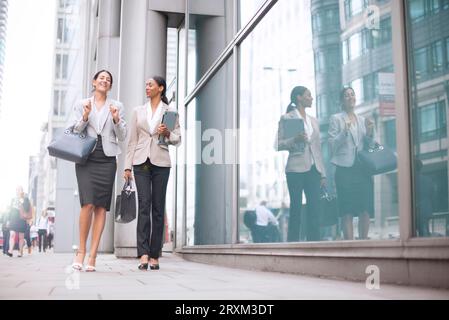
point(348, 99)
point(152, 88)
point(305, 100)
point(103, 82)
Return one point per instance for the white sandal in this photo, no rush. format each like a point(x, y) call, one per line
point(78, 265)
point(90, 268)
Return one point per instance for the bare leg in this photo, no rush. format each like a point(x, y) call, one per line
point(364, 222)
point(21, 243)
point(348, 231)
point(12, 241)
point(84, 224)
point(97, 230)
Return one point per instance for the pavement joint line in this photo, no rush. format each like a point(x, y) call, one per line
point(138, 280)
point(186, 287)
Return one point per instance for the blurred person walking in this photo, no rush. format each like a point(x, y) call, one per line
point(43, 230)
point(20, 212)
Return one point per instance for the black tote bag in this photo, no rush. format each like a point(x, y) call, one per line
point(377, 159)
point(328, 209)
point(71, 146)
point(125, 204)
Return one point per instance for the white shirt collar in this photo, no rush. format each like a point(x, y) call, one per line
point(154, 120)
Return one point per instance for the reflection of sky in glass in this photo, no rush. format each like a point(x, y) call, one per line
point(276, 57)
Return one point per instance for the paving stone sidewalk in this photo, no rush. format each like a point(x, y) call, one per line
point(49, 276)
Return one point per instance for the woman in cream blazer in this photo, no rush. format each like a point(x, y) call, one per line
point(151, 164)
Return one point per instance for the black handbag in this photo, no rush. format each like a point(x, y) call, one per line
point(125, 204)
point(72, 146)
point(329, 209)
point(377, 159)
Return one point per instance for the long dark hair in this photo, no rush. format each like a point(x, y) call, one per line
point(161, 82)
point(98, 74)
point(26, 204)
point(342, 95)
point(297, 91)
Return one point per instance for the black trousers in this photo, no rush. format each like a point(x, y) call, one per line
point(309, 182)
point(5, 241)
point(42, 234)
point(151, 183)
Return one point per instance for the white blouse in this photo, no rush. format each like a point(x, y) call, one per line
point(99, 116)
point(154, 119)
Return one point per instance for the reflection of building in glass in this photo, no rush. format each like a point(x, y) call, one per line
point(264, 174)
point(3, 24)
point(352, 44)
point(429, 65)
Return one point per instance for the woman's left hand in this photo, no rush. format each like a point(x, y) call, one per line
point(323, 182)
point(114, 113)
point(163, 130)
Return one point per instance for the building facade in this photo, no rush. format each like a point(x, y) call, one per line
point(3, 25)
point(235, 65)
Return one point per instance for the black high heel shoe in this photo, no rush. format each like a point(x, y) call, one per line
point(154, 266)
point(143, 266)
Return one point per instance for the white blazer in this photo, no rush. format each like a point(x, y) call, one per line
point(110, 132)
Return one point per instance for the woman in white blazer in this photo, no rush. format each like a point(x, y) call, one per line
point(348, 134)
point(101, 118)
point(305, 167)
point(150, 162)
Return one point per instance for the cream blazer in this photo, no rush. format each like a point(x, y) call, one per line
point(143, 144)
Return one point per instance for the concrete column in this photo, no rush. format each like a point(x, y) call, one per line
point(108, 58)
point(156, 46)
point(213, 210)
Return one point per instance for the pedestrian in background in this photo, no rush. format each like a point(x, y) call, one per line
point(18, 225)
point(42, 225)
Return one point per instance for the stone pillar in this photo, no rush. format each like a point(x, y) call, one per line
point(108, 58)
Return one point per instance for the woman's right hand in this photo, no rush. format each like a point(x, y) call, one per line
point(128, 175)
point(87, 108)
point(302, 137)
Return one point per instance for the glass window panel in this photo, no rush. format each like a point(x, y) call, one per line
point(247, 9)
point(416, 9)
point(265, 85)
point(428, 106)
point(208, 167)
point(211, 29)
point(355, 46)
point(437, 56)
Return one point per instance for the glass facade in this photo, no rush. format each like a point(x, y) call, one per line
point(427, 46)
point(339, 44)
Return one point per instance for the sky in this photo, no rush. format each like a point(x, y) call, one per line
point(27, 89)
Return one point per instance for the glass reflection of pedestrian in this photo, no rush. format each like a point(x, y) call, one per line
point(103, 119)
point(264, 218)
point(305, 168)
point(424, 197)
point(348, 133)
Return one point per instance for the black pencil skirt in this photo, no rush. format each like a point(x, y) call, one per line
point(354, 191)
point(96, 178)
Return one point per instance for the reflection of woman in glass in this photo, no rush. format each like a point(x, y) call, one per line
point(348, 132)
point(305, 169)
